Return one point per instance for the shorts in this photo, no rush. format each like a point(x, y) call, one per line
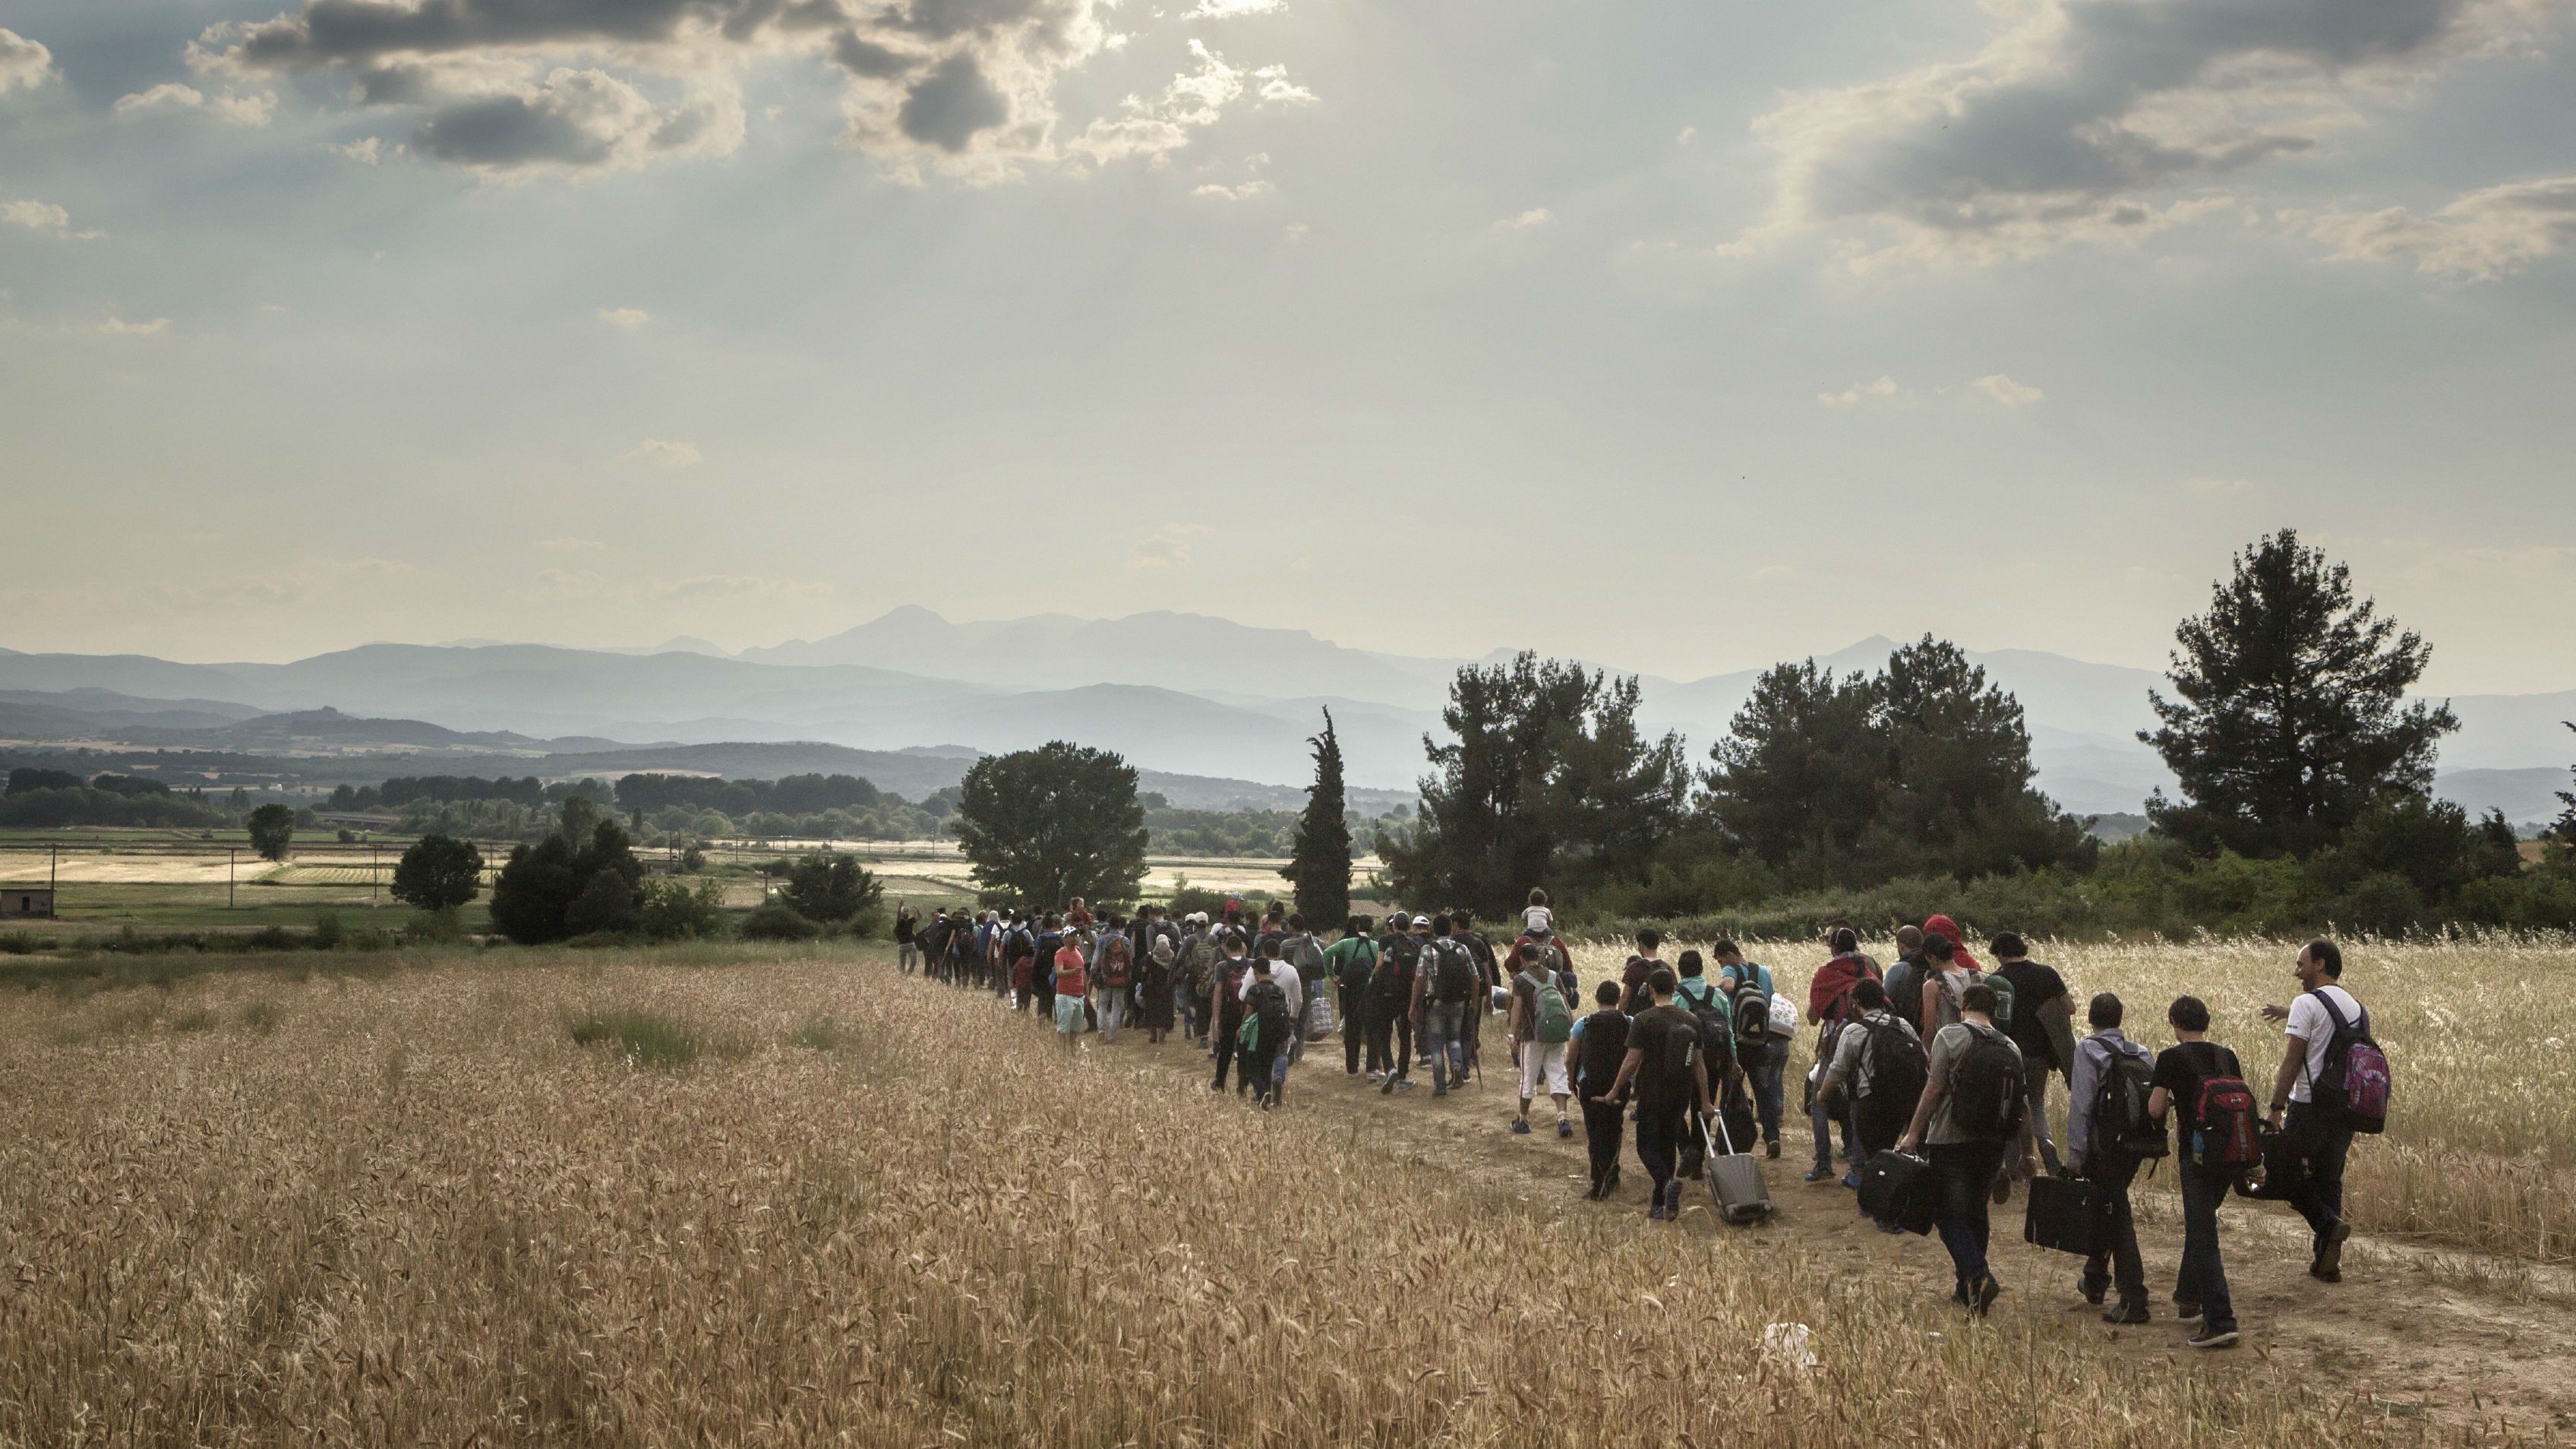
point(1068, 1014)
point(1543, 1061)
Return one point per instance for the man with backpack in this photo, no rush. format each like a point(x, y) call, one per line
point(1831, 994)
point(1399, 962)
point(1443, 985)
point(2112, 1129)
point(1489, 975)
point(1301, 952)
point(1644, 963)
point(1541, 1025)
point(2332, 1078)
point(1762, 1051)
point(1019, 960)
point(1600, 1044)
point(1665, 1064)
point(2040, 1020)
point(2202, 1083)
point(1875, 1077)
point(1348, 963)
point(1269, 1020)
point(1226, 989)
point(1970, 1109)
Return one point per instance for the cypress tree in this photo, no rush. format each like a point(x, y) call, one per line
point(1319, 869)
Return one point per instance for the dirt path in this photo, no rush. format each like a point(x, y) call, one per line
point(2448, 1336)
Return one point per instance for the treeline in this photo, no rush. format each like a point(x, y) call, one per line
point(1231, 832)
point(2305, 774)
point(49, 799)
point(404, 790)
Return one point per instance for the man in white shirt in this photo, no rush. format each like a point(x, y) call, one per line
point(2322, 1145)
point(1285, 975)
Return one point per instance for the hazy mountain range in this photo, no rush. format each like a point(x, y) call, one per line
point(1182, 695)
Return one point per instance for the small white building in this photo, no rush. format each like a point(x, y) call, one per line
point(26, 903)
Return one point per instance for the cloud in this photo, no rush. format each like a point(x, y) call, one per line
point(625, 319)
point(666, 454)
point(229, 594)
point(1155, 126)
point(2008, 392)
point(1861, 392)
point(964, 88)
point(1167, 548)
point(45, 217)
point(119, 327)
point(2479, 237)
point(24, 64)
point(2214, 487)
point(366, 151)
point(1229, 9)
point(232, 109)
point(1535, 216)
point(1240, 191)
point(2099, 119)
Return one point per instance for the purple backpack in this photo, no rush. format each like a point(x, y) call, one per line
point(2354, 1088)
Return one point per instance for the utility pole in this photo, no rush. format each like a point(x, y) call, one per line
point(371, 875)
point(231, 857)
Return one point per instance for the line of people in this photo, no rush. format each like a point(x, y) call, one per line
point(1934, 1060)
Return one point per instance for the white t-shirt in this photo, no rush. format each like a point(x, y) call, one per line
point(2310, 1023)
point(1286, 976)
point(1538, 921)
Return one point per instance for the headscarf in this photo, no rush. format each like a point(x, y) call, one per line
point(1161, 951)
point(1948, 929)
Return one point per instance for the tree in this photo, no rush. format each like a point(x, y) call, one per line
point(2565, 829)
point(2292, 717)
point(439, 872)
point(272, 829)
point(552, 890)
point(1954, 794)
point(834, 889)
point(1319, 866)
point(1549, 782)
point(1796, 779)
point(1045, 825)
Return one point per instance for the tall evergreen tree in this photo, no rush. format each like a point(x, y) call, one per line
point(1954, 792)
point(1319, 868)
point(2292, 717)
point(1045, 825)
point(1795, 781)
point(1549, 781)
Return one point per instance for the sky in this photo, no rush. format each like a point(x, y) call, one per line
point(1687, 336)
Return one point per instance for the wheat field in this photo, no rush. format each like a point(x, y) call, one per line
point(785, 1197)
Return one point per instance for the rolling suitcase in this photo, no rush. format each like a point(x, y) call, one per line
point(2060, 1215)
point(1735, 1179)
point(1900, 1190)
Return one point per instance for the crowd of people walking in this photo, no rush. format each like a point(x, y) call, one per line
point(1928, 1091)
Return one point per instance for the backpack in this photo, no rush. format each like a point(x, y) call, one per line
point(2354, 1090)
point(1356, 966)
point(2121, 1122)
point(1267, 1005)
point(2225, 1126)
point(1752, 1004)
point(1455, 980)
point(1305, 953)
point(1393, 984)
point(1905, 992)
point(1114, 965)
point(1605, 1045)
point(1716, 1024)
point(1892, 1069)
point(2004, 994)
point(1985, 1087)
point(1553, 1022)
point(1672, 1061)
point(1197, 959)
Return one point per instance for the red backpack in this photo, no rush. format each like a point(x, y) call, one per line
point(2222, 1133)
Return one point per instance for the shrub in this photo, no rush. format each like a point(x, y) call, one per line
point(326, 931)
point(822, 1034)
point(776, 920)
point(677, 911)
point(640, 1038)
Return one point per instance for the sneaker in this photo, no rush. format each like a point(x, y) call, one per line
point(2212, 1336)
point(1386, 1086)
point(1404, 1084)
point(1851, 1179)
point(1564, 1128)
point(1673, 1199)
point(1820, 1174)
point(2133, 1312)
point(1988, 1290)
point(1771, 1148)
point(2185, 1312)
point(1655, 1214)
point(1520, 1127)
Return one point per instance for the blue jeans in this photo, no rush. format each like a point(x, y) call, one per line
point(1824, 1120)
point(1767, 1067)
point(2203, 1278)
point(2324, 1148)
point(1113, 1011)
point(1444, 1040)
point(1967, 1172)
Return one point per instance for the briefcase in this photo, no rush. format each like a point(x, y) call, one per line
point(2060, 1215)
point(1900, 1191)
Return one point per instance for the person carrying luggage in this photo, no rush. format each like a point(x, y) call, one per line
point(1971, 1107)
point(1664, 1061)
point(1875, 1078)
point(1830, 994)
point(2202, 1086)
point(2111, 1130)
point(2041, 1023)
point(1761, 1051)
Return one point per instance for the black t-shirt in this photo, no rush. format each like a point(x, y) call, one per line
point(1665, 1034)
point(2182, 1067)
point(2032, 984)
point(1604, 1043)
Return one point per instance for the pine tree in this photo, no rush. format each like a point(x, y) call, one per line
point(2293, 717)
point(1319, 868)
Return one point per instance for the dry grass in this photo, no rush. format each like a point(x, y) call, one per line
point(413, 1210)
point(2481, 1151)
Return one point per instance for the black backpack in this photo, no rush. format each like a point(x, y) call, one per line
point(1396, 965)
point(1986, 1103)
point(1605, 1043)
point(1890, 1081)
point(2120, 1120)
point(1672, 1059)
point(1268, 1004)
point(1905, 995)
point(1357, 965)
point(1456, 978)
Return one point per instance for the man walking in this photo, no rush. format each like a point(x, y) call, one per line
point(1970, 1109)
point(1765, 1058)
point(1541, 1024)
point(2320, 1025)
point(1348, 963)
point(1664, 1062)
point(1600, 1047)
point(1441, 986)
point(2111, 1073)
point(2042, 1025)
point(1399, 960)
point(2184, 1072)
